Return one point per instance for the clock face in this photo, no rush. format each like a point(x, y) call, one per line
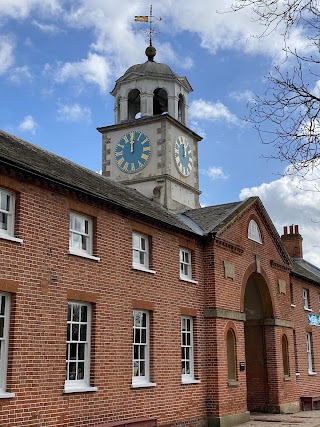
point(183, 155)
point(133, 151)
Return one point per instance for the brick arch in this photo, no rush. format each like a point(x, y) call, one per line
point(230, 325)
point(265, 291)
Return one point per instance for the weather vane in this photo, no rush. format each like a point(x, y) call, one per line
point(151, 19)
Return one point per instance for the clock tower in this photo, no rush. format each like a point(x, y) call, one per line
point(150, 146)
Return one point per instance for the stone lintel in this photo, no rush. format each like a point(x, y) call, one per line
point(279, 322)
point(224, 314)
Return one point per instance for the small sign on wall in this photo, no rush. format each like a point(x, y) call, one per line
point(242, 366)
point(313, 319)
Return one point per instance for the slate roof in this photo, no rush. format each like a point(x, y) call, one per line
point(210, 219)
point(304, 269)
point(35, 160)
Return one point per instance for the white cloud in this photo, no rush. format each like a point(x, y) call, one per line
point(20, 74)
point(246, 96)
point(294, 200)
point(74, 113)
point(21, 9)
point(47, 28)
point(28, 124)
point(214, 172)
point(94, 69)
point(6, 53)
point(206, 110)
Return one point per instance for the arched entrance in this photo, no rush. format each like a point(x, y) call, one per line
point(257, 307)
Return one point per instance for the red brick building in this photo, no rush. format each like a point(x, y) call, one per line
point(117, 305)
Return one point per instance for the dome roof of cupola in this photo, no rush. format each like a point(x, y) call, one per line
point(151, 70)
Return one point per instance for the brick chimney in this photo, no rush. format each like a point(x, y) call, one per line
point(292, 241)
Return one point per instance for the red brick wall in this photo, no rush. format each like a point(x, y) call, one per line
point(45, 276)
point(306, 383)
point(42, 277)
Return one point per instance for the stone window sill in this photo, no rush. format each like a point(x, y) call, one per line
point(83, 255)
point(186, 279)
point(6, 395)
point(141, 268)
point(186, 381)
point(233, 383)
point(143, 385)
point(10, 238)
point(69, 390)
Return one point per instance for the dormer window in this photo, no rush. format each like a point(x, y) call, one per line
point(254, 232)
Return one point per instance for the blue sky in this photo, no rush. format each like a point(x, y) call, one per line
point(59, 61)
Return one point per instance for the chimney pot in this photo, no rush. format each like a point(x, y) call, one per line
point(285, 230)
point(291, 229)
point(296, 229)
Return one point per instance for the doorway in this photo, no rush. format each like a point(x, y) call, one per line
point(257, 307)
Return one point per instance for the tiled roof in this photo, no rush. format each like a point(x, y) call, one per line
point(209, 219)
point(35, 160)
point(304, 269)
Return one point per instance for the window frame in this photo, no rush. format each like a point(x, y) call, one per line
point(8, 213)
point(187, 378)
point(254, 232)
point(310, 353)
point(4, 349)
point(86, 253)
point(306, 299)
point(183, 262)
point(78, 385)
point(140, 250)
point(141, 380)
point(9, 233)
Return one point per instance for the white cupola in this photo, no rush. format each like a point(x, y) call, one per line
point(151, 89)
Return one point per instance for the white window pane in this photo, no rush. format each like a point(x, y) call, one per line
point(80, 233)
point(136, 241)
point(77, 361)
point(3, 221)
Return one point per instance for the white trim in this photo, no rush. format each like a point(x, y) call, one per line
point(308, 309)
point(190, 381)
point(68, 390)
point(6, 395)
point(140, 268)
point(140, 344)
point(5, 341)
point(9, 214)
point(309, 353)
point(254, 232)
point(143, 384)
point(312, 373)
point(86, 235)
point(185, 264)
point(83, 255)
point(82, 384)
point(187, 345)
point(137, 248)
point(305, 297)
point(186, 279)
point(293, 305)
point(11, 238)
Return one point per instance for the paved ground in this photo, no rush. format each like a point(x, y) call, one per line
point(300, 419)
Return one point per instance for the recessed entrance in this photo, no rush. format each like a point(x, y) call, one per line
point(257, 306)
